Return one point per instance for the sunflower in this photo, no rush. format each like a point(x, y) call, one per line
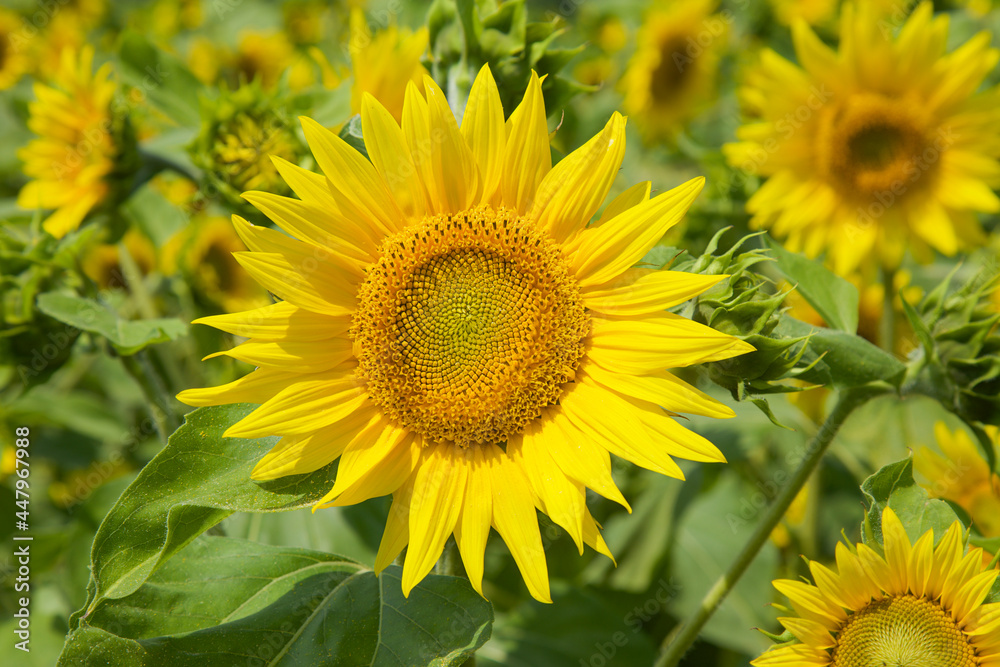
point(813, 12)
point(881, 146)
point(13, 61)
point(75, 150)
point(384, 62)
point(917, 605)
point(963, 476)
point(102, 263)
point(454, 332)
point(673, 71)
point(204, 253)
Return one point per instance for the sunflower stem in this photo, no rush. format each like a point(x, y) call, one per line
point(153, 399)
point(683, 636)
point(887, 327)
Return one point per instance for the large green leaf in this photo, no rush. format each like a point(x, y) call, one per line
point(841, 359)
point(893, 486)
point(232, 602)
point(582, 626)
point(835, 299)
point(196, 481)
point(127, 336)
point(167, 81)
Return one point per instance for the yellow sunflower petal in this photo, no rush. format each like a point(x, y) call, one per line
point(279, 321)
point(657, 342)
point(527, 157)
point(515, 519)
point(384, 477)
point(354, 177)
point(575, 188)
point(371, 447)
point(303, 406)
point(256, 387)
point(298, 454)
point(580, 458)
point(599, 254)
point(473, 526)
point(455, 170)
point(563, 498)
point(633, 196)
point(810, 603)
point(664, 389)
point(397, 527)
point(439, 487)
point(289, 282)
point(809, 632)
point(897, 552)
point(796, 655)
point(483, 129)
point(643, 291)
point(680, 442)
point(387, 150)
point(857, 587)
point(290, 355)
point(319, 226)
point(620, 432)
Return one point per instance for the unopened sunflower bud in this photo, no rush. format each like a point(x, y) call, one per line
point(241, 131)
point(958, 361)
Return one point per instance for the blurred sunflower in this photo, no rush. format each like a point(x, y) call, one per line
point(102, 263)
point(454, 332)
point(62, 33)
point(881, 146)
point(76, 150)
point(963, 476)
point(203, 252)
point(673, 71)
point(384, 62)
point(262, 56)
point(917, 605)
point(813, 12)
point(13, 60)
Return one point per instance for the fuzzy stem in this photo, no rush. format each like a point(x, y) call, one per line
point(677, 642)
point(887, 326)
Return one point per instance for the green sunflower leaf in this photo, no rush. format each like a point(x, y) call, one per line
point(225, 602)
point(195, 482)
point(127, 336)
point(893, 486)
point(835, 299)
point(839, 358)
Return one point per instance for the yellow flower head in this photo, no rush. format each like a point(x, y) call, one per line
point(813, 12)
point(102, 263)
point(260, 56)
point(963, 476)
point(204, 253)
point(13, 57)
point(916, 605)
point(673, 71)
point(881, 145)
point(75, 149)
point(384, 62)
point(457, 335)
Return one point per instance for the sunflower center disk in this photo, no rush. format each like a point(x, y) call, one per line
point(672, 73)
point(468, 326)
point(904, 632)
point(877, 148)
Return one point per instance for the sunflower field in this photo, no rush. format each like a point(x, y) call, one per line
point(475, 333)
